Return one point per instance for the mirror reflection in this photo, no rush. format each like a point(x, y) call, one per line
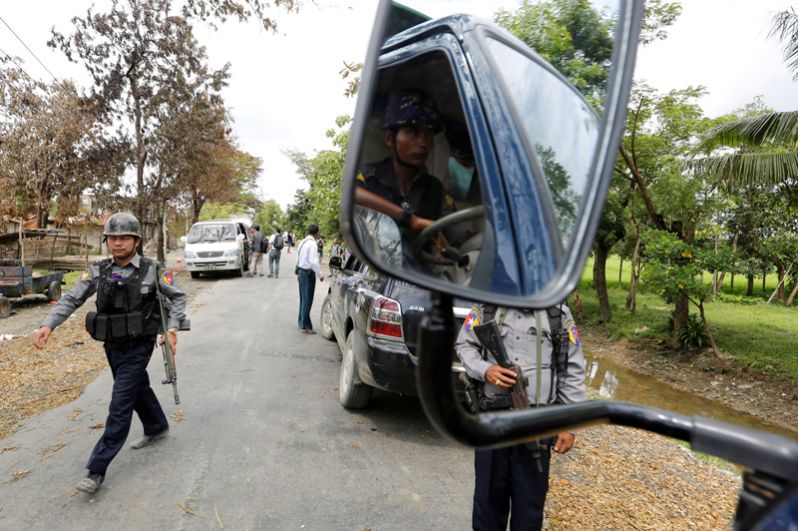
point(417, 184)
point(498, 218)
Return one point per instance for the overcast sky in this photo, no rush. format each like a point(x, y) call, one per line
point(285, 91)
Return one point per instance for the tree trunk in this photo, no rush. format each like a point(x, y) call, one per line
point(764, 278)
point(749, 291)
point(780, 273)
point(161, 216)
point(600, 279)
point(680, 314)
point(706, 328)
point(791, 298)
point(631, 297)
point(578, 308)
point(196, 206)
point(620, 274)
point(719, 284)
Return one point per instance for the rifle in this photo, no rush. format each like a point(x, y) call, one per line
point(488, 335)
point(166, 349)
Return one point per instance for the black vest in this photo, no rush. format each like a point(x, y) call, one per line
point(124, 314)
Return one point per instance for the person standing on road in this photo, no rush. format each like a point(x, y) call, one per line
point(335, 250)
point(127, 321)
point(308, 268)
point(290, 240)
point(276, 242)
point(512, 482)
point(257, 246)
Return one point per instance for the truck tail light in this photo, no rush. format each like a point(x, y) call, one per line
point(385, 319)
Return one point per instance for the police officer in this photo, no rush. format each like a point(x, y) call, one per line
point(399, 185)
point(127, 321)
point(513, 481)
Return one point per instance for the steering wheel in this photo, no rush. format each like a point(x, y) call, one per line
point(453, 254)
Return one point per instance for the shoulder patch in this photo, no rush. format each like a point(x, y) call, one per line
point(473, 318)
point(573, 333)
point(85, 276)
point(448, 200)
point(167, 278)
point(360, 177)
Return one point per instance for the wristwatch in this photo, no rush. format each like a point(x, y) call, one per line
point(404, 221)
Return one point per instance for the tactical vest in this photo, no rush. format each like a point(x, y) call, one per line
point(559, 342)
point(124, 314)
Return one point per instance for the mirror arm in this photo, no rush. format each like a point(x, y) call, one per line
point(764, 452)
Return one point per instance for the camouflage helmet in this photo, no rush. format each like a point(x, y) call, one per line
point(411, 107)
point(122, 224)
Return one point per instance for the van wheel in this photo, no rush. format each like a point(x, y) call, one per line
point(326, 319)
point(195, 274)
point(5, 307)
point(351, 393)
point(239, 272)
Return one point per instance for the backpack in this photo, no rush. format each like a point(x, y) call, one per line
point(278, 242)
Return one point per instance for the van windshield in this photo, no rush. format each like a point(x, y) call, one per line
point(212, 232)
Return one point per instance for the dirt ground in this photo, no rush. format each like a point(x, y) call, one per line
point(615, 478)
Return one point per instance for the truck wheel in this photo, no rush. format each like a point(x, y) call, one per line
point(326, 319)
point(54, 291)
point(239, 272)
point(351, 393)
point(5, 307)
point(195, 274)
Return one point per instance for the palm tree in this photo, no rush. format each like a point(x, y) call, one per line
point(767, 145)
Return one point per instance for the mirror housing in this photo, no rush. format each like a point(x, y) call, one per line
point(518, 256)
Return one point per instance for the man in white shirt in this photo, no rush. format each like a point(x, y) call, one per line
point(308, 268)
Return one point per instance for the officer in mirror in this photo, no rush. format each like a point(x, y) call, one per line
point(127, 321)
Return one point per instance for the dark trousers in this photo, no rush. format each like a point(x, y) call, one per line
point(508, 484)
point(132, 392)
point(307, 287)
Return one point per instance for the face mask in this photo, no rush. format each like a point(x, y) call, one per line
point(459, 179)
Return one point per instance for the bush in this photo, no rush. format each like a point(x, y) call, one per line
point(738, 299)
point(692, 335)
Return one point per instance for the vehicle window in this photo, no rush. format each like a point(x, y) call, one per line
point(212, 232)
point(565, 154)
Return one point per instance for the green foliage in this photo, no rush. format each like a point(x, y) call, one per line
point(572, 35)
point(223, 211)
point(762, 336)
point(323, 171)
point(673, 266)
point(270, 216)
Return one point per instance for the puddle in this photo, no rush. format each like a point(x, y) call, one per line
point(618, 383)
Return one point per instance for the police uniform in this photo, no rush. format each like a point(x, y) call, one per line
point(127, 320)
point(513, 481)
point(426, 196)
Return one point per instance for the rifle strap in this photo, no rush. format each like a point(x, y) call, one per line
point(538, 356)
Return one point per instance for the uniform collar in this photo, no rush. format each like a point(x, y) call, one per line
point(135, 261)
point(385, 175)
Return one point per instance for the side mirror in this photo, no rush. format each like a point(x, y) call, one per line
point(335, 263)
point(500, 199)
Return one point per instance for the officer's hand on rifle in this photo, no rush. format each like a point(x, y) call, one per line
point(172, 341)
point(565, 441)
point(40, 337)
point(500, 377)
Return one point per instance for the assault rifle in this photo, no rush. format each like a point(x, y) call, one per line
point(488, 335)
point(166, 349)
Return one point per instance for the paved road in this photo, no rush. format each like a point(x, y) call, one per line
point(264, 442)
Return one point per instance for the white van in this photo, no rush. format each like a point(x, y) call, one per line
point(217, 245)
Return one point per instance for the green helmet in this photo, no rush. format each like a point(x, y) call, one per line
point(122, 224)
